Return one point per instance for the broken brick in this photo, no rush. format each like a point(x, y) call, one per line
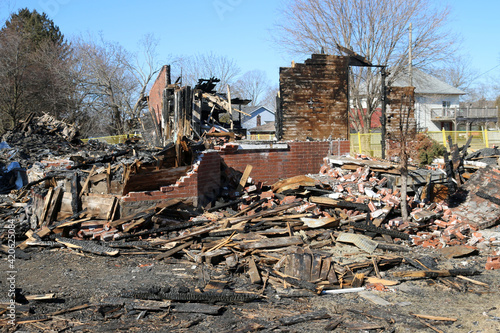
point(493, 263)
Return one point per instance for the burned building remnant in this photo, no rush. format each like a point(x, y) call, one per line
point(156, 98)
point(171, 107)
point(314, 99)
point(400, 108)
point(200, 221)
point(184, 111)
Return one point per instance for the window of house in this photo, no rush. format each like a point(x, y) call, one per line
point(446, 109)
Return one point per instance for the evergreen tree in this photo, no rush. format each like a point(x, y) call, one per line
point(37, 27)
point(34, 68)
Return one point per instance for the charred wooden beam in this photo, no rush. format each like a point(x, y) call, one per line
point(265, 213)
point(122, 244)
point(316, 315)
point(294, 281)
point(378, 230)
point(103, 159)
point(87, 246)
point(171, 228)
point(271, 243)
point(381, 263)
point(333, 325)
point(75, 198)
point(324, 201)
point(211, 297)
point(70, 220)
point(224, 205)
point(437, 273)
point(173, 251)
point(207, 309)
point(146, 214)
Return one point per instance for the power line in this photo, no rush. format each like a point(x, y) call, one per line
point(489, 70)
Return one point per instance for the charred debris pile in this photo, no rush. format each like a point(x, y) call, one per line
point(291, 235)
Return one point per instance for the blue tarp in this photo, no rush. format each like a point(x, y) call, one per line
point(12, 177)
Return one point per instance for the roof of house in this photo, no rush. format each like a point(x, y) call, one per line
point(425, 83)
point(252, 109)
point(268, 127)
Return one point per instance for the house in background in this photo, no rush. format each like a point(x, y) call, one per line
point(266, 132)
point(437, 105)
point(258, 116)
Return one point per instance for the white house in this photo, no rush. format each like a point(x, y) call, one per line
point(436, 102)
point(259, 115)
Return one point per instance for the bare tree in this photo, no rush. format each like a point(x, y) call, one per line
point(252, 85)
point(104, 82)
point(205, 66)
point(377, 30)
point(14, 69)
point(269, 99)
point(480, 93)
point(144, 66)
point(457, 72)
point(112, 83)
point(404, 133)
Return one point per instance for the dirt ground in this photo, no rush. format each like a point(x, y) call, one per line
point(85, 279)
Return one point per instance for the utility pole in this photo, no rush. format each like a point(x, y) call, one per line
point(383, 119)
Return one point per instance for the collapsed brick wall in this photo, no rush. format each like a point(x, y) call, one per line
point(201, 185)
point(314, 99)
point(155, 101)
point(271, 165)
point(400, 102)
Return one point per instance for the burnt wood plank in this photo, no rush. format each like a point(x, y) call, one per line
point(271, 243)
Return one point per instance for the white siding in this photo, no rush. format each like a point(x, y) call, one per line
point(423, 106)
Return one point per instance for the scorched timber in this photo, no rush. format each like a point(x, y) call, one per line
point(323, 201)
point(437, 273)
point(209, 297)
point(271, 243)
point(87, 246)
point(264, 213)
point(170, 228)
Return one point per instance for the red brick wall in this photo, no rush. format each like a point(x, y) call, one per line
point(208, 177)
point(201, 184)
point(314, 99)
point(156, 93)
point(271, 165)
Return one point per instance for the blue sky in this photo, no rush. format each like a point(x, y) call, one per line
point(238, 29)
point(478, 23)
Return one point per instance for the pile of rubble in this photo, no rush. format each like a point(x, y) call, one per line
point(283, 235)
point(348, 194)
